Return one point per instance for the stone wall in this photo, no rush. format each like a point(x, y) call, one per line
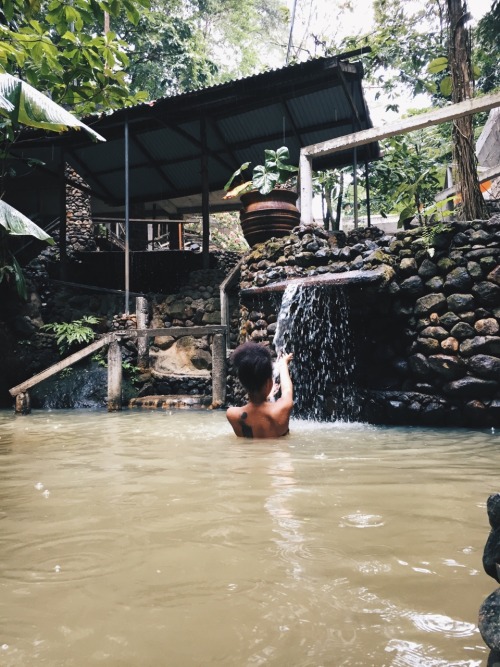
point(183, 365)
point(426, 336)
point(79, 228)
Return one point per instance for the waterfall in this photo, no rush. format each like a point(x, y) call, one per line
point(313, 323)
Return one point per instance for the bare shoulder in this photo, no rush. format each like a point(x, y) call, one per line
point(233, 413)
point(280, 411)
point(283, 405)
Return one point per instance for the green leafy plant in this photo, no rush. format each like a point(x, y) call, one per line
point(72, 333)
point(430, 232)
point(100, 359)
point(265, 177)
point(131, 371)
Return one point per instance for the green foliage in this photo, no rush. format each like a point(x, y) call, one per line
point(410, 174)
point(166, 50)
point(22, 104)
point(240, 36)
point(57, 47)
point(181, 45)
point(274, 172)
point(407, 36)
point(225, 232)
point(17, 224)
point(486, 45)
point(100, 359)
point(10, 269)
point(130, 371)
point(430, 232)
point(14, 223)
point(438, 211)
point(69, 334)
point(330, 184)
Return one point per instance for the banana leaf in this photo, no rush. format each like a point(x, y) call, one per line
point(25, 105)
point(17, 224)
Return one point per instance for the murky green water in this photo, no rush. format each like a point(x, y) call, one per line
point(147, 539)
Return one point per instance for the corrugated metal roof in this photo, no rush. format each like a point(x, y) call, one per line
point(295, 106)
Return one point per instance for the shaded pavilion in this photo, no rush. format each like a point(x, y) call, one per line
point(172, 157)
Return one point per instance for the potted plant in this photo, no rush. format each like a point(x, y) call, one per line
point(268, 204)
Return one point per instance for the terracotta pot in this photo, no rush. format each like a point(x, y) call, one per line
point(265, 216)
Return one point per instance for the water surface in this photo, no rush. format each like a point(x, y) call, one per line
point(158, 538)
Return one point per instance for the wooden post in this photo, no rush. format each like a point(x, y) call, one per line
point(219, 370)
point(114, 377)
point(306, 189)
point(23, 404)
point(141, 313)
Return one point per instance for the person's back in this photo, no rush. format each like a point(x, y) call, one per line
point(261, 418)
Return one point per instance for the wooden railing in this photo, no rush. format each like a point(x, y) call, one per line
point(113, 340)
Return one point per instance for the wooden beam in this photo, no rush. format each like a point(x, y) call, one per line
point(435, 117)
point(56, 368)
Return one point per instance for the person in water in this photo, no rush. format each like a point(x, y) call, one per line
point(261, 417)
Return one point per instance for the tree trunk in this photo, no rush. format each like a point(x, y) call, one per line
point(464, 155)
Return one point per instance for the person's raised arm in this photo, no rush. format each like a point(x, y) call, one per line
point(285, 379)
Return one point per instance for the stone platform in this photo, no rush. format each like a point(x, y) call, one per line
point(182, 402)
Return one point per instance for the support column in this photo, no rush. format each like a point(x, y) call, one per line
point(23, 404)
point(306, 189)
point(127, 217)
point(205, 194)
point(219, 370)
point(114, 377)
point(367, 188)
point(355, 187)
point(63, 245)
point(141, 313)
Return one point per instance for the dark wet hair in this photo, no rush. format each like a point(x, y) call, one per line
point(253, 365)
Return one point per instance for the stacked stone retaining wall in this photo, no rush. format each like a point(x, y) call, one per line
point(427, 335)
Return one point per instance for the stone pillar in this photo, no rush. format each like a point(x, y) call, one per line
point(114, 377)
point(219, 370)
point(142, 312)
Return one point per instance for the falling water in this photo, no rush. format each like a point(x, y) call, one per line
point(313, 323)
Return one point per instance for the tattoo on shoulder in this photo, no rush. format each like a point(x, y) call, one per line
point(245, 428)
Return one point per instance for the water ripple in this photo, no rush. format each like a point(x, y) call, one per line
point(450, 627)
point(361, 520)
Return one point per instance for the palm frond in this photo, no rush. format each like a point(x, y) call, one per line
point(17, 224)
point(34, 109)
